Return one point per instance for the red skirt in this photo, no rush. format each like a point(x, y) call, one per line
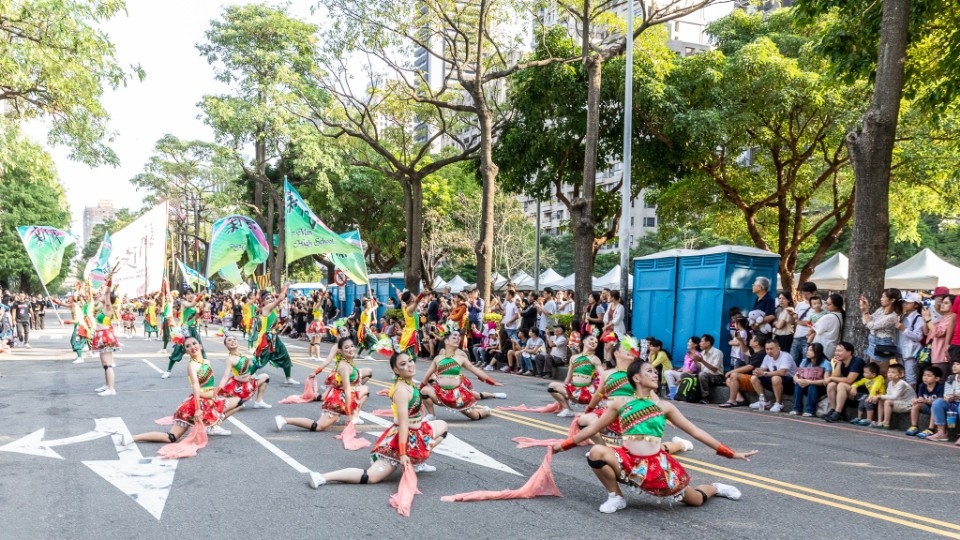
point(128, 317)
point(241, 389)
point(334, 401)
point(418, 444)
point(460, 398)
point(659, 474)
point(211, 410)
point(104, 341)
point(316, 329)
point(581, 394)
point(612, 434)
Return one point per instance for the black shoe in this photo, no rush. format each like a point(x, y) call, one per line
point(705, 402)
point(832, 416)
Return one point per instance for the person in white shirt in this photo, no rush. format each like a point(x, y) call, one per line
point(546, 308)
point(828, 329)
point(802, 314)
point(565, 301)
point(533, 348)
point(710, 363)
point(511, 315)
point(543, 364)
point(613, 321)
point(774, 374)
point(898, 399)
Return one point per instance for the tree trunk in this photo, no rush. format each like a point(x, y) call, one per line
point(270, 266)
point(413, 215)
point(581, 211)
point(871, 152)
point(488, 173)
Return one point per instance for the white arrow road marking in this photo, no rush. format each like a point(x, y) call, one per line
point(34, 445)
point(297, 466)
point(146, 481)
point(149, 363)
point(452, 446)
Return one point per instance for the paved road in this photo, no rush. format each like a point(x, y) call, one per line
point(810, 480)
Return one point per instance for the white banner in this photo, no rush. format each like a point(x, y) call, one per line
point(140, 249)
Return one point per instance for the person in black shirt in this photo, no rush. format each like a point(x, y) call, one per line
point(528, 315)
point(21, 316)
point(433, 309)
point(39, 311)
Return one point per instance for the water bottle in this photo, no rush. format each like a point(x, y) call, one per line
point(951, 419)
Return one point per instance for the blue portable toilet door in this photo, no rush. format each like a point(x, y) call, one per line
point(654, 299)
point(696, 315)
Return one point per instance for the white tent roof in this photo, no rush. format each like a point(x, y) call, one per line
point(457, 284)
point(925, 270)
point(498, 281)
point(831, 274)
point(311, 286)
point(565, 284)
point(549, 277)
point(740, 250)
point(438, 283)
point(611, 280)
point(522, 281)
point(681, 252)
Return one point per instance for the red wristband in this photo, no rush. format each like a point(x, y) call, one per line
point(568, 444)
point(490, 381)
point(403, 448)
point(724, 451)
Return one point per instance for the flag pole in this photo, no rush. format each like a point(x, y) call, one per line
point(44, 285)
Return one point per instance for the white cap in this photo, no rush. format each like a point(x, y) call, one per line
point(912, 297)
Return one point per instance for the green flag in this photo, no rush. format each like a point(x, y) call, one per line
point(306, 234)
point(192, 277)
point(233, 237)
point(353, 264)
point(45, 246)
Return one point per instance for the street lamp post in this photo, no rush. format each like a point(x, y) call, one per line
point(625, 198)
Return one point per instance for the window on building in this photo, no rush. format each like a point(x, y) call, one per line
point(631, 221)
point(648, 204)
point(649, 222)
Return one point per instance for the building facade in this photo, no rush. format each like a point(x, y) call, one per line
point(94, 215)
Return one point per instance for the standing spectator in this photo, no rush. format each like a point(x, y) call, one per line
point(828, 329)
point(775, 374)
point(802, 319)
point(546, 308)
point(846, 369)
point(910, 336)
point(613, 322)
point(565, 303)
point(458, 313)
point(947, 404)
point(783, 325)
point(528, 315)
point(939, 294)
point(764, 303)
point(954, 351)
point(940, 331)
point(882, 325)
point(592, 314)
point(433, 308)
point(330, 310)
point(21, 316)
point(711, 367)
point(40, 311)
point(511, 315)
point(475, 308)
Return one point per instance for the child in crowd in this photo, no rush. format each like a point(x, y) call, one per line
point(948, 404)
point(898, 399)
point(689, 365)
point(929, 390)
point(875, 386)
point(740, 335)
point(816, 309)
point(757, 315)
point(573, 342)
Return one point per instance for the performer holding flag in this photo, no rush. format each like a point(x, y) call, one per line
point(190, 309)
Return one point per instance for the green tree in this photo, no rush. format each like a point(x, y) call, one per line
point(262, 53)
point(55, 64)
point(30, 194)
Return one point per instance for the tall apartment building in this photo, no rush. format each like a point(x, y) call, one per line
point(687, 36)
point(94, 215)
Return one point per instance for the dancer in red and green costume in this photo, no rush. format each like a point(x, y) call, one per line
point(202, 405)
point(82, 332)
point(582, 378)
point(190, 309)
point(150, 321)
point(615, 384)
point(410, 439)
point(104, 341)
point(641, 461)
point(343, 398)
point(316, 330)
point(366, 335)
point(409, 340)
point(268, 348)
point(448, 387)
point(239, 381)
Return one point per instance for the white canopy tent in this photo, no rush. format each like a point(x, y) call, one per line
point(438, 283)
point(549, 277)
point(457, 284)
point(498, 281)
point(923, 271)
point(611, 280)
point(522, 281)
point(565, 284)
point(831, 274)
point(243, 288)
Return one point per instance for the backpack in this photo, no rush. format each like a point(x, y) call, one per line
point(687, 390)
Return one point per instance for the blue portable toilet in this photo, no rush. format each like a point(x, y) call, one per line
point(655, 295)
point(710, 282)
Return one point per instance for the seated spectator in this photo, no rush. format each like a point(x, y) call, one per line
point(689, 365)
point(659, 359)
point(710, 365)
point(513, 354)
point(929, 390)
point(846, 369)
point(947, 404)
point(876, 386)
point(739, 376)
point(810, 381)
point(534, 347)
point(898, 399)
point(774, 374)
point(493, 349)
point(543, 364)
